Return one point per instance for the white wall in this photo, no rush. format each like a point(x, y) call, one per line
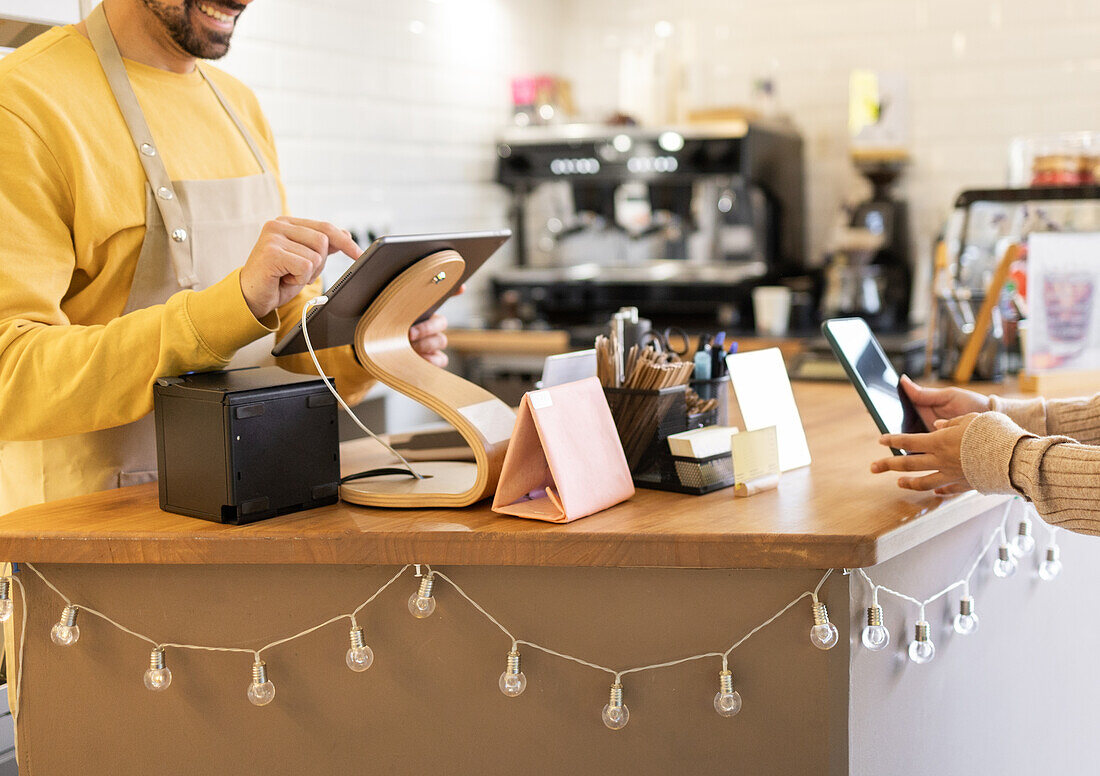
point(980, 72)
point(385, 112)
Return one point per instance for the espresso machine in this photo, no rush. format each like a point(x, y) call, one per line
point(679, 222)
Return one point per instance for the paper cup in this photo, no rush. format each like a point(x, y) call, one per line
point(771, 307)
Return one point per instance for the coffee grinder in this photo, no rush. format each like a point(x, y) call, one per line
point(882, 275)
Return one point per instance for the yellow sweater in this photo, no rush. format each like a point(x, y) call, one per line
point(72, 220)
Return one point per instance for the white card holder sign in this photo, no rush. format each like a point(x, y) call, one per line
point(755, 461)
point(765, 398)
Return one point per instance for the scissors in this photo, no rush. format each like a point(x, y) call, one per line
point(661, 341)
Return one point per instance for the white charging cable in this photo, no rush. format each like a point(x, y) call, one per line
point(317, 301)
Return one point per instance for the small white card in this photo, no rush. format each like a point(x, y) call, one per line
point(764, 395)
point(755, 455)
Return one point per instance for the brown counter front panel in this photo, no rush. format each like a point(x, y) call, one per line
point(430, 702)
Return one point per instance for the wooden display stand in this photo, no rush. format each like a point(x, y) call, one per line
point(484, 421)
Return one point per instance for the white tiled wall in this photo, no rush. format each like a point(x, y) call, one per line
point(980, 72)
point(385, 112)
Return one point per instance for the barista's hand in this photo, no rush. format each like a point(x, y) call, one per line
point(289, 255)
point(938, 451)
point(943, 403)
point(428, 339)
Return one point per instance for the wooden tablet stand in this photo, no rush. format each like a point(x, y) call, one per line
point(483, 420)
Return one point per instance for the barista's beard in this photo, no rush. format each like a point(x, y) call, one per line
point(196, 41)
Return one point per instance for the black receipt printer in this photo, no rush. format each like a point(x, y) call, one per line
point(243, 445)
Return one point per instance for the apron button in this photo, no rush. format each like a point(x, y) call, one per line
point(148, 150)
point(179, 235)
point(164, 192)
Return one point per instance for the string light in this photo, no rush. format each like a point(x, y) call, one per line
point(513, 681)
point(875, 635)
point(1023, 543)
point(615, 713)
point(261, 692)
point(1005, 565)
point(1051, 566)
point(360, 657)
point(66, 632)
point(158, 676)
point(6, 606)
point(921, 648)
point(966, 621)
point(421, 603)
point(727, 701)
point(823, 634)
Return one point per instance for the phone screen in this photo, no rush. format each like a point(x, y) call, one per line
point(857, 346)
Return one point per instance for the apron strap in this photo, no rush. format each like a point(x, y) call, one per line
point(236, 120)
point(180, 242)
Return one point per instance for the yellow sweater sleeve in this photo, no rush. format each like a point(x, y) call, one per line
point(57, 378)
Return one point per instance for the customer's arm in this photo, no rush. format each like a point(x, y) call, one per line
point(1077, 418)
point(1058, 474)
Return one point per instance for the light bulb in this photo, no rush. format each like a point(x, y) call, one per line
point(360, 656)
point(5, 599)
point(727, 701)
point(159, 676)
point(513, 681)
point(66, 632)
point(823, 634)
point(875, 634)
point(921, 648)
point(966, 621)
point(1005, 565)
point(421, 603)
point(1023, 542)
point(261, 692)
point(1052, 565)
point(615, 713)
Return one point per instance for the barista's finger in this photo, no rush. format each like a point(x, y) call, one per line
point(296, 270)
point(904, 463)
point(338, 239)
point(432, 344)
point(437, 324)
point(960, 486)
point(438, 358)
point(316, 260)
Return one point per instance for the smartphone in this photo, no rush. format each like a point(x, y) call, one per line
point(873, 376)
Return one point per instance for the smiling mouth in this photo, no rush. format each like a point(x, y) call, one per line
point(215, 14)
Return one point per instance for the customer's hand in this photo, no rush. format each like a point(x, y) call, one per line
point(943, 403)
point(289, 255)
point(938, 452)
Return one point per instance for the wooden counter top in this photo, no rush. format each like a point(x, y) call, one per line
point(831, 514)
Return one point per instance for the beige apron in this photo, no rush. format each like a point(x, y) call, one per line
point(196, 233)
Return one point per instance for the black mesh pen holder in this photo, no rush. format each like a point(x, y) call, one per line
point(715, 388)
point(645, 420)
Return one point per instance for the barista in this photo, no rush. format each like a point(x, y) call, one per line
point(144, 235)
point(1044, 450)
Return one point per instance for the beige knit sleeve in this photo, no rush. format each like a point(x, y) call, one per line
point(1077, 418)
point(1059, 475)
point(1030, 414)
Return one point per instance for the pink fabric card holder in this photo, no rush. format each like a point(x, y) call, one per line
point(564, 460)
